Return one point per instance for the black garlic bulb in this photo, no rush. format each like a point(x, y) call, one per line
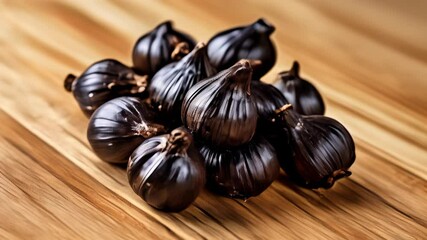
point(246, 42)
point(241, 172)
point(119, 126)
point(303, 96)
point(167, 171)
point(159, 47)
point(220, 109)
point(170, 84)
point(267, 99)
point(323, 150)
point(103, 81)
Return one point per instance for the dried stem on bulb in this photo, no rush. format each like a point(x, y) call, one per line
point(180, 51)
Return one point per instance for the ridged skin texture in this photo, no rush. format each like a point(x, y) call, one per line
point(154, 49)
point(170, 84)
point(303, 96)
point(323, 150)
point(220, 109)
point(168, 179)
point(246, 42)
point(268, 99)
point(101, 82)
point(119, 126)
point(241, 172)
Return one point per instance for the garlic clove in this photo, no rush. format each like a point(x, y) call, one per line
point(303, 95)
point(323, 149)
point(167, 171)
point(267, 99)
point(119, 126)
point(241, 172)
point(156, 48)
point(245, 42)
point(220, 109)
point(102, 81)
point(170, 84)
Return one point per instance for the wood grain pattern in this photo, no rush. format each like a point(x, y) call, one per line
point(368, 58)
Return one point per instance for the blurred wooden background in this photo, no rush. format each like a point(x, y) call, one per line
point(368, 58)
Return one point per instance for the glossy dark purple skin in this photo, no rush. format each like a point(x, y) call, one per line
point(170, 84)
point(267, 99)
point(119, 126)
point(167, 172)
point(220, 109)
point(102, 81)
point(153, 50)
point(323, 150)
point(241, 172)
point(303, 95)
point(246, 42)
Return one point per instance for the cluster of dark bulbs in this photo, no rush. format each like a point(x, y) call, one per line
point(188, 115)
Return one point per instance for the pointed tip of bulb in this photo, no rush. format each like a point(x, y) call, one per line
point(263, 26)
point(291, 73)
point(166, 24)
point(200, 45)
point(294, 71)
point(68, 82)
point(242, 70)
point(246, 63)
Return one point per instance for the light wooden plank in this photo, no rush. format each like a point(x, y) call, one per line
point(367, 58)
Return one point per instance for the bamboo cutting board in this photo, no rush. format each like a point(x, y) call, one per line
point(368, 58)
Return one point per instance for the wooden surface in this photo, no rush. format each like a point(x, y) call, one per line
point(368, 58)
